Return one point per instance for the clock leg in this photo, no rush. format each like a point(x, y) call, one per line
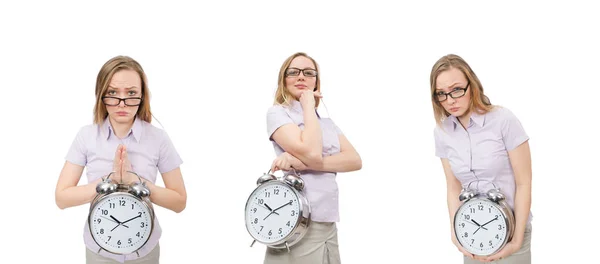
point(286, 246)
point(253, 243)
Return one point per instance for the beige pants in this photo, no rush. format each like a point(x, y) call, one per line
point(151, 258)
point(318, 246)
point(523, 256)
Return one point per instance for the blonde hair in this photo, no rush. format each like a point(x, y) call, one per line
point(479, 101)
point(283, 95)
point(106, 73)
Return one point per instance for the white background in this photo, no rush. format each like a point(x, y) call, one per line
point(212, 71)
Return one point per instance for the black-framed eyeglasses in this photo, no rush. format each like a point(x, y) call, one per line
point(457, 92)
point(296, 72)
point(114, 101)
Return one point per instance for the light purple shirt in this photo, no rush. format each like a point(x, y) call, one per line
point(482, 149)
point(320, 188)
point(149, 149)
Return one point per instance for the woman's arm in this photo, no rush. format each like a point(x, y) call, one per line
point(344, 161)
point(520, 159)
point(453, 189)
point(67, 193)
point(173, 196)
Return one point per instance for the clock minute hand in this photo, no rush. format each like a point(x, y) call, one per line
point(288, 203)
point(496, 218)
point(480, 226)
point(131, 219)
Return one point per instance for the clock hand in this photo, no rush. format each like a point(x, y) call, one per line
point(495, 218)
point(288, 203)
point(132, 219)
point(112, 220)
point(274, 211)
point(480, 226)
point(115, 227)
point(268, 208)
point(118, 223)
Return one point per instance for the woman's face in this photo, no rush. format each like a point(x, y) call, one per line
point(301, 75)
point(454, 82)
point(125, 84)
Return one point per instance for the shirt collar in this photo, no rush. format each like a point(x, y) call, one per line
point(451, 122)
point(135, 131)
point(296, 106)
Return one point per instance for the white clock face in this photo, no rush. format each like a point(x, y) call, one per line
point(120, 223)
point(272, 212)
point(480, 227)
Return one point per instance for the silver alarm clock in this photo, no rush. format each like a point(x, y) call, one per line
point(277, 212)
point(121, 216)
point(484, 222)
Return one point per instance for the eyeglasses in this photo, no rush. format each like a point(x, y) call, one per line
point(455, 93)
point(114, 101)
point(296, 72)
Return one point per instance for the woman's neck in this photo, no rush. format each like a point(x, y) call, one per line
point(121, 129)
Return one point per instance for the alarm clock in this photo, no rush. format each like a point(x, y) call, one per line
point(121, 216)
point(277, 212)
point(484, 222)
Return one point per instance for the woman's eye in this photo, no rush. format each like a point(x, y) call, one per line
point(111, 93)
point(132, 92)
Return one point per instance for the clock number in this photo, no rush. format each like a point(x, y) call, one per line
point(276, 191)
point(267, 194)
point(293, 212)
point(270, 233)
point(138, 234)
point(280, 231)
point(129, 240)
point(122, 202)
point(255, 220)
point(101, 230)
point(472, 240)
point(109, 238)
point(481, 244)
point(462, 225)
point(496, 217)
point(254, 210)
point(472, 210)
point(480, 207)
point(119, 242)
point(291, 202)
point(490, 242)
point(131, 206)
point(468, 217)
point(143, 224)
point(261, 201)
point(466, 234)
point(99, 220)
point(105, 212)
point(499, 227)
point(284, 194)
point(490, 210)
point(497, 236)
point(288, 223)
point(139, 213)
point(111, 205)
point(261, 228)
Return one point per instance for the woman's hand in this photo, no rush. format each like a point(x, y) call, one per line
point(286, 162)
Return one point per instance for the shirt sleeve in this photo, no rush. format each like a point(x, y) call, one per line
point(513, 133)
point(277, 117)
point(439, 144)
point(77, 154)
point(168, 157)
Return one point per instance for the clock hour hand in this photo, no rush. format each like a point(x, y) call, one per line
point(480, 226)
point(112, 220)
point(118, 223)
point(269, 208)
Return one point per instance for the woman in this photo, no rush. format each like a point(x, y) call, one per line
point(477, 140)
point(316, 148)
point(122, 139)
